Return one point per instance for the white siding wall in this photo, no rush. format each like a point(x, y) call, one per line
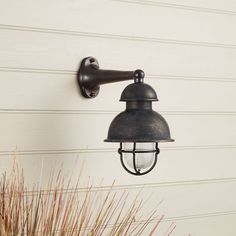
point(188, 51)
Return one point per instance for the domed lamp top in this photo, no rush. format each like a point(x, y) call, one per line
point(139, 123)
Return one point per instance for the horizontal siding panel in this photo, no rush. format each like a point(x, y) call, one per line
point(173, 201)
point(205, 226)
point(136, 20)
point(177, 201)
point(174, 168)
point(184, 226)
point(227, 5)
point(171, 166)
point(210, 6)
point(40, 92)
point(64, 52)
point(53, 131)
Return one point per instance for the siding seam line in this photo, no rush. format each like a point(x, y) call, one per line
point(110, 112)
point(174, 218)
point(151, 76)
point(117, 37)
point(108, 150)
point(138, 186)
point(179, 6)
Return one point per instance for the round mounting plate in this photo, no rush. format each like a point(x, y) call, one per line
point(87, 67)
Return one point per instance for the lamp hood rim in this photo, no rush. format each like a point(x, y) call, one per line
point(139, 140)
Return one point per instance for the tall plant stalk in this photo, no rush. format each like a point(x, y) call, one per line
point(69, 213)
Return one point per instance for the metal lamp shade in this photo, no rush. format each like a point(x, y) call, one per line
point(138, 124)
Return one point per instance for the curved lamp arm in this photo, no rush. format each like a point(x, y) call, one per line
point(90, 77)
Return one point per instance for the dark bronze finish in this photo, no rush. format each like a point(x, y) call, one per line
point(138, 123)
point(90, 77)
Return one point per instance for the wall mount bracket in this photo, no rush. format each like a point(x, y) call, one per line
point(90, 77)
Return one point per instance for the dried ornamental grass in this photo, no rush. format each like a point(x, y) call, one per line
point(56, 212)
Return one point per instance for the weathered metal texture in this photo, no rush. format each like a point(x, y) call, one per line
point(139, 126)
point(138, 91)
point(139, 123)
point(90, 77)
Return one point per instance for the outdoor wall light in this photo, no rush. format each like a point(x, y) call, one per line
point(138, 129)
